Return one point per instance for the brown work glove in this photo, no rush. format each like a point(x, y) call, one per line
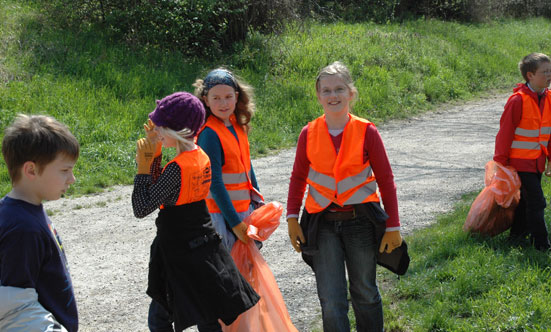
point(548, 169)
point(240, 230)
point(145, 151)
point(295, 233)
point(151, 134)
point(391, 240)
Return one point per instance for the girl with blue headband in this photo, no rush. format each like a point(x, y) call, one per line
point(234, 191)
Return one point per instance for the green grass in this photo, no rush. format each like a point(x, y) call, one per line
point(461, 282)
point(103, 90)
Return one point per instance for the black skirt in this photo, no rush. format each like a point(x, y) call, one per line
point(194, 277)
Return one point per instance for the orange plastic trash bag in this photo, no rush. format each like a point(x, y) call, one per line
point(493, 210)
point(270, 313)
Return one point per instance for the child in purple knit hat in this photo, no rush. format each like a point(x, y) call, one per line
point(192, 278)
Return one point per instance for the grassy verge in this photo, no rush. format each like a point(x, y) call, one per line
point(459, 282)
point(103, 90)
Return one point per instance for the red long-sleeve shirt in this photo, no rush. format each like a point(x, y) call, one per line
point(374, 150)
point(510, 120)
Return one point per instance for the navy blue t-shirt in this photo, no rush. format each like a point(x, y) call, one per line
point(32, 256)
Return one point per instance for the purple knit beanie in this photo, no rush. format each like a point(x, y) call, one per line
point(178, 111)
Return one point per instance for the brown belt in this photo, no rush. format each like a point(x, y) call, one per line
point(339, 215)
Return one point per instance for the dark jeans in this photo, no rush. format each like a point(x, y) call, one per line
point(529, 214)
point(159, 320)
point(350, 244)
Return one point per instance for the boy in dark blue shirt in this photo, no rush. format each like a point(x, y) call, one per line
point(36, 292)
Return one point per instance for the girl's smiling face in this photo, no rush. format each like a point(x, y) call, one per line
point(334, 95)
point(221, 99)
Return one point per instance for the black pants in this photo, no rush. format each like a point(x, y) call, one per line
point(160, 321)
point(529, 214)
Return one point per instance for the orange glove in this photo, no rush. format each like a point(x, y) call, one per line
point(391, 240)
point(295, 233)
point(240, 230)
point(151, 134)
point(145, 151)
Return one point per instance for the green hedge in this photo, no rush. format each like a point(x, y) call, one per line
point(211, 28)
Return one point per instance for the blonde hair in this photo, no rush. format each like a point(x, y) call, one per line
point(184, 138)
point(245, 107)
point(531, 63)
point(339, 69)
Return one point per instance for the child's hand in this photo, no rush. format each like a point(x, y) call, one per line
point(391, 240)
point(240, 230)
point(145, 150)
point(151, 134)
point(295, 233)
point(548, 169)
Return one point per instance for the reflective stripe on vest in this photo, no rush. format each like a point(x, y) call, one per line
point(532, 134)
point(236, 171)
point(341, 178)
point(195, 176)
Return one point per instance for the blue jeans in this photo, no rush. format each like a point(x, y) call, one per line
point(159, 320)
point(228, 238)
point(349, 243)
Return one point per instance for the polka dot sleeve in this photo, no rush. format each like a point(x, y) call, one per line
point(148, 196)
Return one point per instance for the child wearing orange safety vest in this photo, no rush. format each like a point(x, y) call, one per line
point(192, 278)
point(523, 143)
point(234, 191)
point(342, 160)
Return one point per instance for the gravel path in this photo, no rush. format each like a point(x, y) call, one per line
point(435, 157)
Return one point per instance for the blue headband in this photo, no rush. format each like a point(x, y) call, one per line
point(218, 76)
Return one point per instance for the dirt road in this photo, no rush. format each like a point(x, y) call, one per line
point(435, 157)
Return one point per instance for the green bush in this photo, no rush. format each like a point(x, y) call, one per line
point(474, 10)
point(379, 11)
point(201, 27)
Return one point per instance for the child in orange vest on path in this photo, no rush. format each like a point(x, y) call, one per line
point(234, 191)
point(523, 143)
point(192, 277)
point(342, 159)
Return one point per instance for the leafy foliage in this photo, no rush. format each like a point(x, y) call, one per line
point(212, 28)
point(474, 10)
point(201, 27)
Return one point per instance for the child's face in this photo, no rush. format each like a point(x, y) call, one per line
point(221, 99)
point(55, 178)
point(541, 78)
point(334, 95)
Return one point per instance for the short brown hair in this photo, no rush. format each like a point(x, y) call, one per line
point(531, 63)
point(36, 138)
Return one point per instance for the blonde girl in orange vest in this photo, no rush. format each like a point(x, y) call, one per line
point(192, 277)
point(342, 160)
point(234, 191)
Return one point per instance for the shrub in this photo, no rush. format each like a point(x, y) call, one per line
point(474, 10)
point(200, 27)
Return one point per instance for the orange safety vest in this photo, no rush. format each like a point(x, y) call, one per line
point(236, 171)
point(341, 178)
point(532, 134)
point(195, 175)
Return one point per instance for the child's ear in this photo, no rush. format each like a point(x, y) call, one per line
point(206, 100)
point(29, 170)
point(530, 75)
